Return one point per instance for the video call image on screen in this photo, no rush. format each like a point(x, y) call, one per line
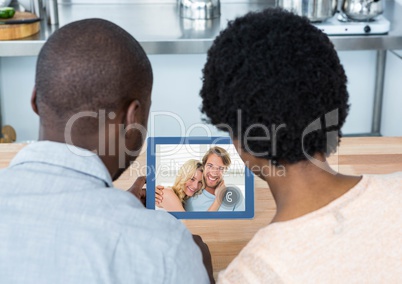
point(214, 187)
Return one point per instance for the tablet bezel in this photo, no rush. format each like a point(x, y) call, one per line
point(152, 143)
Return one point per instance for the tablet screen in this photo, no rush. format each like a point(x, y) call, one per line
point(198, 178)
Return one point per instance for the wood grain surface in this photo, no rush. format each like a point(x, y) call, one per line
point(10, 32)
point(225, 238)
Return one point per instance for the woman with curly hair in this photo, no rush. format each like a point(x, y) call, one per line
point(276, 84)
point(188, 183)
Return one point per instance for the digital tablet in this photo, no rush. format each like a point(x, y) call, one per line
point(199, 177)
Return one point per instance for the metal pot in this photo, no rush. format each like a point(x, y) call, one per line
point(200, 9)
point(362, 10)
point(314, 10)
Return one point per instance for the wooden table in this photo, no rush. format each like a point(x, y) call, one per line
point(225, 238)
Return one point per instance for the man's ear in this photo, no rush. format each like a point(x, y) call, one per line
point(133, 113)
point(33, 101)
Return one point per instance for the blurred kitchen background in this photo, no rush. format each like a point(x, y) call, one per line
point(177, 81)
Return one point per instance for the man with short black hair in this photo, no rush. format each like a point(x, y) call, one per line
point(62, 221)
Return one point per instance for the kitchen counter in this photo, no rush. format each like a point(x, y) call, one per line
point(160, 30)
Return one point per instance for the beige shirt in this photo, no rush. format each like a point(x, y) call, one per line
point(357, 238)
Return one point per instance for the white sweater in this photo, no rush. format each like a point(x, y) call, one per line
point(357, 238)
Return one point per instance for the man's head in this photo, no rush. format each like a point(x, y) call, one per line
point(92, 89)
point(215, 162)
point(268, 77)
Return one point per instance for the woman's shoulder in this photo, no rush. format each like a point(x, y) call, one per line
point(168, 191)
point(171, 201)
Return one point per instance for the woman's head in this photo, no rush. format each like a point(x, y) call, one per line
point(275, 83)
point(188, 180)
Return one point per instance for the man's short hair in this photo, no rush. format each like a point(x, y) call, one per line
point(220, 152)
point(90, 65)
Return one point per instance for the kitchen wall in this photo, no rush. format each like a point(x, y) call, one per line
point(16, 83)
point(175, 101)
point(392, 106)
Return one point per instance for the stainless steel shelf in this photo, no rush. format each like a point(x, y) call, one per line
point(160, 30)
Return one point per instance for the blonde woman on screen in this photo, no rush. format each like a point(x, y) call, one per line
point(188, 183)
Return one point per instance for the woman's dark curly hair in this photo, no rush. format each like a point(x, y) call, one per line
point(274, 69)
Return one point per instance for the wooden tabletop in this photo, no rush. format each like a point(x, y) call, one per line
point(225, 238)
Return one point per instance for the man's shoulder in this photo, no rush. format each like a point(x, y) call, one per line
point(128, 211)
point(196, 197)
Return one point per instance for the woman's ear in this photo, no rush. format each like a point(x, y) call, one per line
point(33, 101)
